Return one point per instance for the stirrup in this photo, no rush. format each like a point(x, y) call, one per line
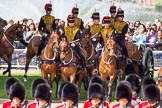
point(84, 69)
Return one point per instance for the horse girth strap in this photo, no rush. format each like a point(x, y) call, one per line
point(48, 62)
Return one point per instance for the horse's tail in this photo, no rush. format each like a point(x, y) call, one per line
point(24, 42)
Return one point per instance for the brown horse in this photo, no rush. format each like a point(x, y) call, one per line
point(91, 60)
point(6, 44)
point(32, 50)
point(48, 59)
point(108, 64)
point(70, 65)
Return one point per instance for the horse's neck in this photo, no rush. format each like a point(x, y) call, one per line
point(49, 52)
point(91, 50)
point(10, 34)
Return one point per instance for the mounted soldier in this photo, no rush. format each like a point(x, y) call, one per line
point(107, 31)
point(121, 28)
point(72, 33)
point(113, 14)
point(46, 26)
point(78, 21)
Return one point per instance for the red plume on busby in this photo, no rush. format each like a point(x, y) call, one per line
point(43, 91)
point(135, 82)
point(17, 90)
point(70, 19)
point(95, 90)
point(123, 90)
point(8, 83)
point(106, 20)
point(48, 7)
point(70, 92)
point(35, 83)
point(152, 93)
point(75, 10)
point(112, 9)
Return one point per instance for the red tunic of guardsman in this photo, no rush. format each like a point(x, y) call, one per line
point(107, 31)
point(113, 13)
point(78, 21)
point(16, 95)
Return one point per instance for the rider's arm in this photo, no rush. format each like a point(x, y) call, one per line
point(54, 25)
point(41, 26)
point(125, 29)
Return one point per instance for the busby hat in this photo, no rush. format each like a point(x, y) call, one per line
point(152, 93)
point(96, 15)
point(48, 7)
point(97, 79)
point(10, 81)
point(135, 82)
point(147, 81)
point(17, 90)
point(43, 91)
point(60, 89)
point(70, 92)
point(70, 19)
point(112, 9)
point(35, 83)
point(106, 20)
point(123, 90)
point(75, 10)
point(95, 90)
point(120, 13)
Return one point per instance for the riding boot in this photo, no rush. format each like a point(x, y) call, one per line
point(124, 51)
point(97, 66)
point(119, 69)
point(83, 64)
point(41, 46)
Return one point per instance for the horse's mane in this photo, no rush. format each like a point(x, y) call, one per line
point(10, 28)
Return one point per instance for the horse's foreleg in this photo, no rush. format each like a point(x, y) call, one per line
point(80, 80)
point(8, 61)
point(72, 78)
point(110, 84)
point(28, 60)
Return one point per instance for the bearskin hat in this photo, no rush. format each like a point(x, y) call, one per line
point(17, 90)
point(123, 90)
point(35, 83)
point(70, 92)
point(48, 7)
point(97, 79)
point(152, 93)
point(112, 9)
point(60, 89)
point(106, 20)
point(70, 19)
point(120, 13)
point(10, 81)
point(95, 90)
point(96, 15)
point(147, 81)
point(135, 82)
point(75, 10)
point(43, 91)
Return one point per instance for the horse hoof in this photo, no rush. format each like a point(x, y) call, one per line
point(4, 72)
point(25, 78)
